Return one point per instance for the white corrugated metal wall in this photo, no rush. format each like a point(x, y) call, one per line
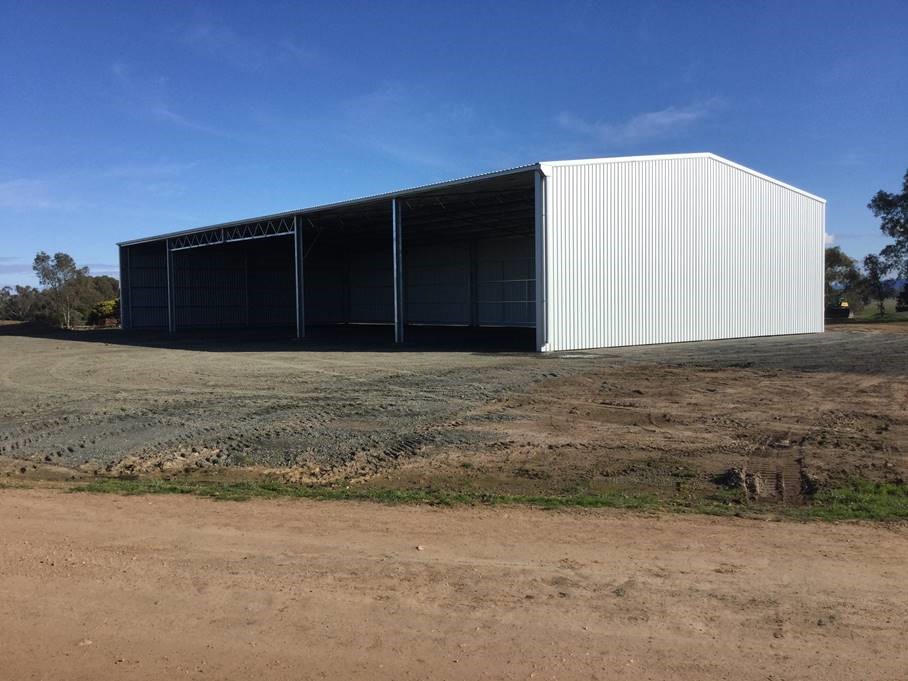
point(674, 249)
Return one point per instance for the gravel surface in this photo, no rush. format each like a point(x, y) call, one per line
point(127, 403)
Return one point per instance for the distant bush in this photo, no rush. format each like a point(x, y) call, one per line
point(901, 303)
point(104, 312)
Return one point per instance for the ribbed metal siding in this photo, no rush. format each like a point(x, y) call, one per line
point(438, 283)
point(210, 287)
point(506, 281)
point(371, 287)
point(271, 282)
point(682, 249)
point(326, 273)
point(147, 282)
point(124, 287)
point(247, 283)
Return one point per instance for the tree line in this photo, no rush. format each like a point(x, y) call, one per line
point(860, 283)
point(67, 295)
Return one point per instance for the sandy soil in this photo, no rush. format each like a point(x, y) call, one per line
point(105, 587)
point(669, 418)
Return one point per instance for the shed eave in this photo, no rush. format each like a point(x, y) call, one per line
point(402, 193)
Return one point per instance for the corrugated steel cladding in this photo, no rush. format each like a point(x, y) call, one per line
point(678, 249)
point(146, 285)
point(627, 251)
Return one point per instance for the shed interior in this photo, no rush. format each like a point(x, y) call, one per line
point(467, 260)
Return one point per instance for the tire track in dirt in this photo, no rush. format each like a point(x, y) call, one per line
point(329, 410)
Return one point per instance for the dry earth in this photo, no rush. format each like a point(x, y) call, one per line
point(102, 587)
point(97, 587)
point(666, 418)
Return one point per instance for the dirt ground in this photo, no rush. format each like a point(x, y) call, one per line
point(102, 587)
point(795, 410)
point(105, 586)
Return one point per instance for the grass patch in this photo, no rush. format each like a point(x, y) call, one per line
point(856, 501)
point(860, 499)
point(241, 491)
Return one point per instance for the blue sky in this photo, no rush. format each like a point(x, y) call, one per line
point(120, 119)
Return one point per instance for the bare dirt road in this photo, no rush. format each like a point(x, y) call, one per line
point(100, 587)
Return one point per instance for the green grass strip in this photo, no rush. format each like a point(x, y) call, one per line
point(240, 491)
point(859, 500)
point(856, 501)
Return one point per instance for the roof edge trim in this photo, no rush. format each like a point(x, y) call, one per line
point(702, 154)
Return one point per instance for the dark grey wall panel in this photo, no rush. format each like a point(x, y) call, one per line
point(272, 282)
point(438, 283)
point(238, 284)
point(507, 281)
point(209, 287)
point(325, 271)
point(147, 281)
point(371, 287)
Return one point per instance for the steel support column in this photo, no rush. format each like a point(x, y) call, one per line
point(539, 239)
point(171, 303)
point(397, 236)
point(298, 257)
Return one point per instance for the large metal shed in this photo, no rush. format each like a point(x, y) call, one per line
point(589, 253)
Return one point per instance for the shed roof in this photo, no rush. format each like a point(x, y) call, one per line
point(460, 182)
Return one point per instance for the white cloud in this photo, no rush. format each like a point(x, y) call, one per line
point(829, 239)
point(644, 127)
point(15, 266)
point(97, 268)
point(25, 194)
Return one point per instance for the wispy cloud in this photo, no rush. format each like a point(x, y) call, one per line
point(387, 121)
point(168, 115)
point(162, 180)
point(14, 264)
point(102, 268)
point(25, 194)
point(642, 128)
point(149, 170)
point(850, 160)
point(149, 97)
point(419, 128)
point(828, 239)
point(247, 52)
